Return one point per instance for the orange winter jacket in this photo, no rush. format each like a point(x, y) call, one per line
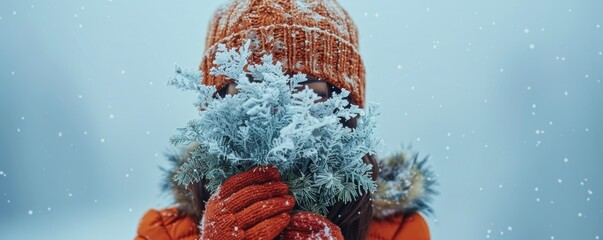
point(172, 224)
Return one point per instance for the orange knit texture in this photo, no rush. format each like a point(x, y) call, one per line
point(250, 205)
point(310, 226)
point(315, 37)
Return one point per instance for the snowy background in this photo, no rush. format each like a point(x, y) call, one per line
point(506, 97)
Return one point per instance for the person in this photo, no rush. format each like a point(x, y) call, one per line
point(317, 38)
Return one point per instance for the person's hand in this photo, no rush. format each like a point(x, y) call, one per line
point(308, 225)
point(250, 205)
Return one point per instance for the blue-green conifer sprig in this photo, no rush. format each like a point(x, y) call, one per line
point(269, 122)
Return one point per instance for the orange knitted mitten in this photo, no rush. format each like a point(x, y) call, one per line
point(308, 225)
point(250, 205)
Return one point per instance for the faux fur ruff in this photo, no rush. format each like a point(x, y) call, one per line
point(404, 185)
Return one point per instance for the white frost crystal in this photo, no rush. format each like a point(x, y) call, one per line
point(270, 123)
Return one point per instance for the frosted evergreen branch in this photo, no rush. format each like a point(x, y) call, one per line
point(270, 123)
point(186, 79)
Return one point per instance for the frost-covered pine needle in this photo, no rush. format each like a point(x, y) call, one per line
point(270, 123)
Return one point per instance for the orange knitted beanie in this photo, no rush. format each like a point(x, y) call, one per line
point(315, 37)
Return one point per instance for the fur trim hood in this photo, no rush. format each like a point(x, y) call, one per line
point(404, 184)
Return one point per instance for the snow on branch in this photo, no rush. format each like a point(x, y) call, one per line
point(270, 123)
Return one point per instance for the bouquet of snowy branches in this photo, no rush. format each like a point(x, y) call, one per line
point(270, 123)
